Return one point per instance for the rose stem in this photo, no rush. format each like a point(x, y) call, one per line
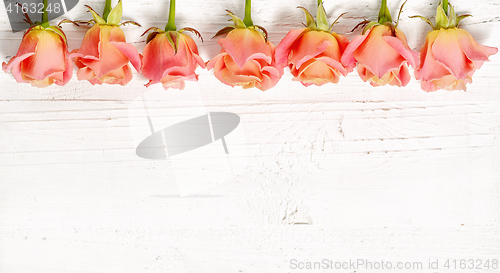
point(171, 17)
point(45, 15)
point(445, 6)
point(248, 13)
point(107, 10)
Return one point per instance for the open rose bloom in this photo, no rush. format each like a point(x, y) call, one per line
point(170, 60)
point(104, 54)
point(246, 58)
point(42, 58)
point(450, 55)
point(382, 53)
point(313, 53)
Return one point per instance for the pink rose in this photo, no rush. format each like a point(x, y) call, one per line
point(42, 58)
point(104, 54)
point(313, 53)
point(246, 58)
point(313, 56)
point(450, 55)
point(383, 55)
point(172, 67)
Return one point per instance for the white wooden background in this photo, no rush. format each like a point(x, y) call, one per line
point(338, 172)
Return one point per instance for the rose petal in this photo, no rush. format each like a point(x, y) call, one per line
point(284, 47)
point(473, 50)
point(245, 44)
point(447, 51)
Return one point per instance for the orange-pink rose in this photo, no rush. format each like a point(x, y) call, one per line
point(104, 56)
point(313, 56)
point(383, 55)
point(162, 63)
point(450, 55)
point(42, 58)
point(449, 58)
point(246, 60)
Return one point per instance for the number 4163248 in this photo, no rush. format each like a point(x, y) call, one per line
point(471, 264)
point(33, 8)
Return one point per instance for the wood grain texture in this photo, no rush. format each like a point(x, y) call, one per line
point(338, 172)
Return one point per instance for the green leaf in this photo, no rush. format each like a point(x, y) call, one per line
point(115, 16)
point(310, 23)
point(97, 18)
point(321, 20)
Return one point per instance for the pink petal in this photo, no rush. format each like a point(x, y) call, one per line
point(117, 39)
point(284, 47)
point(410, 55)
point(90, 43)
point(473, 50)
point(110, 58)
point(348, 59)
point(447, 51)
point(85, 74)
point(245, 44)
point(429, 69)
point(49, 58)
point(376, 55)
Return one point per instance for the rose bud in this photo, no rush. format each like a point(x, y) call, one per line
point(247, 57)
point(42, 58)
point(450, 55)
point(381, 52)
point(104, 54)
point(313, 53)
point(170, 57)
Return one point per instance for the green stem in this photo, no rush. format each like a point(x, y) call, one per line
point(445, 6)
point(319, 2)
point(171, 17)
point(384, 15)
point(248, 13)
point(107, 10)
point(45, 15)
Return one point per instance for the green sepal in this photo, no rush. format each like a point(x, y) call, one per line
point(461, 17)
point(369, 26)
point(115, 16)
point(97, 18)
point(224, 31)
point(58, 31)
point(441, 18)
point(173, 39)
point(238, 23)
point(310, 23)
point(334, 22)
point(424, 19)
point(321, 20)
point(192, 30)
